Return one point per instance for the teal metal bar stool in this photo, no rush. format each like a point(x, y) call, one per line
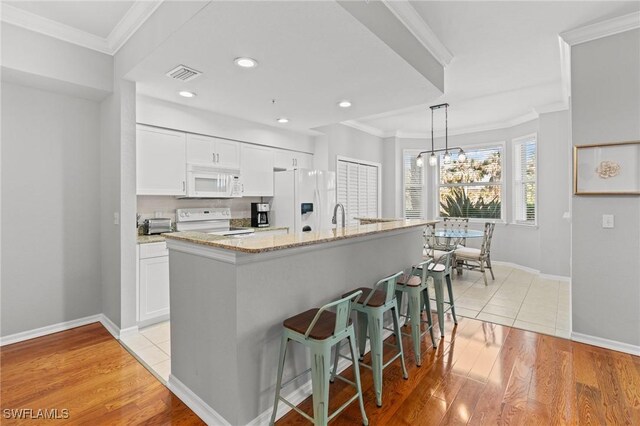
point(440, 271)
point(320, 330)
point(371, 307)
point(415, 286)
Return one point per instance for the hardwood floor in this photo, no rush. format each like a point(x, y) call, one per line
point(88, 373)
point(481, 373)
point(489, 374)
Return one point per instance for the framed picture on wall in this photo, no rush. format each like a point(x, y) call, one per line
point(607, 169)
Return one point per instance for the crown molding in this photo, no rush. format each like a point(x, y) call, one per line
point(412, 20)
point(137, 15)
point(364, 128)
point(139, 12)
point(36, 23)
point(565, 68)
point(602, 29)
point(554, 107)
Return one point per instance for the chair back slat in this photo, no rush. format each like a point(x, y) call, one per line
point(343, 310)
point(445, 260)
point(387, 285)
point(485, 249)
point(459, 224)
point(430, 240)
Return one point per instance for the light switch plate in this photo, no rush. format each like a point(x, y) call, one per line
point(607, 221)
point(116, 218)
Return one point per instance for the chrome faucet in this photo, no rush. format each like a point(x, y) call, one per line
point(334, 219)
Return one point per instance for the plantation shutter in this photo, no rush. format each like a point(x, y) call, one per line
point(357, 189)
point(525, 172)
point(413, 186)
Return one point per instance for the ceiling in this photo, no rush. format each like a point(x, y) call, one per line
point(506, 61)
point(311, 55)
point(506, 64)
point(94, 17)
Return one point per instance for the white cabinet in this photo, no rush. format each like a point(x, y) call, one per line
point(153, 282)
point(256, 171)
point(213, 151)
point(289, 160)
point(160, 161)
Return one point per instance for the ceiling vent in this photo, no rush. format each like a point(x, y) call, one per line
point(183, 73)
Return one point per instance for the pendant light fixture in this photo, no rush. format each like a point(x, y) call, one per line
point(433, 158)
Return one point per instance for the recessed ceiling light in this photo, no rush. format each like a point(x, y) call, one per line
point(344, 104)
point(186, 94)
point(246, 62)
point(283, 120)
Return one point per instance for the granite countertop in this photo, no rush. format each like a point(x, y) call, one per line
point(261, 244)
point(158, 238)
point(367, 220)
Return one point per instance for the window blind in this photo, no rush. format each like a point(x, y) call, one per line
point(357, 190)
point(413, 186)
point(525, 171)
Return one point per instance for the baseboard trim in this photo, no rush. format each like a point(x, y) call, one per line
point(193, 401)
point(555, 277)
point(606, 343)
point(49, 329)
point(110, 326)
point(531, 270)
point(126, 331)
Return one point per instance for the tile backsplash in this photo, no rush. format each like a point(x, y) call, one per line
point(166, 206)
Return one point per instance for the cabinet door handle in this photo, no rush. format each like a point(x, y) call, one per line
point(217, 158)
point(214, 157)
point(184, 186)
point(242, 185)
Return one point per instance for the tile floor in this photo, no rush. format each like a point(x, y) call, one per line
point(515, 298)
point(152, 346)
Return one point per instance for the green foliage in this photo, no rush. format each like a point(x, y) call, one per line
point(458, 204)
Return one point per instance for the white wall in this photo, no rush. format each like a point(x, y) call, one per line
point(524, 245)
point(50, 204)
point(156, 112)
point(340, 140)
point(605, 90)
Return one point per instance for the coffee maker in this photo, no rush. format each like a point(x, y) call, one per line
point(260, 215)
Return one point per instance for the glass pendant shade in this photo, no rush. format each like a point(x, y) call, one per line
point(419, 160)
point(447, 158)
point(433, 160)
point(462, 157)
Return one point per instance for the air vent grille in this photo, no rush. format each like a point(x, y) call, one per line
point(183, 73)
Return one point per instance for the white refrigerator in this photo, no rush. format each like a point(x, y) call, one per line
point(304, 199)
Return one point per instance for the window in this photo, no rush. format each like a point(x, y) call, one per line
point(472, 188)
point(524, 174)
point(358, 189)
point(413, 178)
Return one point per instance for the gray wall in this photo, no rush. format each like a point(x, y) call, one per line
point(50, 202)
point(605, 90)
point(521, 244)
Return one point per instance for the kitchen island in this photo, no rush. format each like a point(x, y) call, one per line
point(230, 296)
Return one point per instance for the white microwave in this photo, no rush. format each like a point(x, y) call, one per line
point(211, 182)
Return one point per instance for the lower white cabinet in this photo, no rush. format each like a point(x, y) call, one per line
point(153, 283)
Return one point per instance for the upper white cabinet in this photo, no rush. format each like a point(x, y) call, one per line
point(160, 160)
point(256, 171)
point(213, 151)
point(290, 160)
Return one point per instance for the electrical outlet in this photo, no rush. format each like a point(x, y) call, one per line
point(607, 221)
point(116, 218)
